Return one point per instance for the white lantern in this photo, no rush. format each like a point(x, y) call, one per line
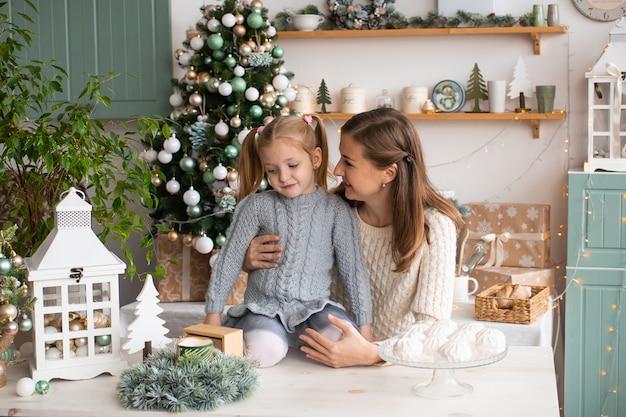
point(607, 119)
point(75, 280)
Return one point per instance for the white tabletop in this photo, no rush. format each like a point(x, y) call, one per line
point(522, 384)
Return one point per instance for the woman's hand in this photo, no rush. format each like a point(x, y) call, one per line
point(262, 253)
point(350, 350)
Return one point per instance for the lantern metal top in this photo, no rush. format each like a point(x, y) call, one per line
point(614, 54)
point(72, 243)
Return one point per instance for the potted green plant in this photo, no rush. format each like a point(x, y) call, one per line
point(46, 146)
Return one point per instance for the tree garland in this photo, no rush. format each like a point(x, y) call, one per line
point(381, 14)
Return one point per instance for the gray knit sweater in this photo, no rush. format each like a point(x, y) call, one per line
point(316, 231)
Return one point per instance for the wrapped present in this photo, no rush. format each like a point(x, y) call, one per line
point(515, 234)
point(488, 276)
point(187, 277)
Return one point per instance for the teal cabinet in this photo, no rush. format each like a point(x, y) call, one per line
point(95, 37)
point(595, 325)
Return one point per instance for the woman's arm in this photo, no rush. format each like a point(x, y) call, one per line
point(351, 349)
point(261, 253)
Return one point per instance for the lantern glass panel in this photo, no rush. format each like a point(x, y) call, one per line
point(602, 94)
point(601, 118)
point(76, 294)
point(101, 291)
point(52, 296)
point(601, 147)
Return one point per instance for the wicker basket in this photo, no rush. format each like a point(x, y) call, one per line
point(523, 311)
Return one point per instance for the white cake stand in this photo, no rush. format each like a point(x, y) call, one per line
point(443, 384)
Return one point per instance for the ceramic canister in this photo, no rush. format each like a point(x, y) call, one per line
point(352, 99)
point(199, 347)
point(413, 99)
point(305, 100)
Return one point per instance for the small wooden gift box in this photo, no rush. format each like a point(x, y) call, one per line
point(487, 276)
point(521, 311)
point(226, 339)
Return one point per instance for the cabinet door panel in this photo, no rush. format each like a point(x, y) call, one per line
point(95, 37)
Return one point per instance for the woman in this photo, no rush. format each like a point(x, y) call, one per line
point(408, 235)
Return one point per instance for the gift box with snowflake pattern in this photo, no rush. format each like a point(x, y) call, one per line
point(514, 234)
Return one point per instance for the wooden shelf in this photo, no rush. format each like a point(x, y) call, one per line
point(534, 32)
point(534, 118)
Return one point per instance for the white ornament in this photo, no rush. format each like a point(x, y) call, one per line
point(241, 136)
point(213, 25)
point(270, 31)
point(191, 197)
point(221, 128)
point(225, 89)
point(229, 20)
point(212, 259)
point(290, 93)
point(220, 172)
point(165, 157)
point(25, 386)
point(280, 82)
point(203, 244)
point(184, 59)
point(172, 186)
point(239, 71)
point(149, 155)
point(172, 144)
point(252, 94)
point(196, 43)
point(176, 100)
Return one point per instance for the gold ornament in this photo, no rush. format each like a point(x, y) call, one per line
point(256, 4)
point(7, 312)
point(191, 75)
point(203, 77)
point(203, 166)
point(156, 180)
point(232, 176)
point(172, 235)
point(245, 49)
point(195, 99)
point(178, 53)
point(76, 325)
point(235, 122)
point(239, 31)
point(429, 107)
point(244, 61)
point(188, 240)
point(239, 19)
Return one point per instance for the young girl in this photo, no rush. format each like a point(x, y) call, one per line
point(408, 234)
point(317, 231)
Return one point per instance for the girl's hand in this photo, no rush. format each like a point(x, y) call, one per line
point(213, 319)
point(261, 253)
point(350, 350)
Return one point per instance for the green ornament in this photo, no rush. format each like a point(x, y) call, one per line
point(42, 387)
point(278, 52)
point(281, 100)
point(232, 109)
point(190, 88)
point(103, 340)
point(7, 355)
point(194, 211)
point(5, 266)
point(208, 60)
point(255, 20)
point(208, 177)
point(219, 55)
point(238, 84)
point(230, 61)
point(212, 85)
point(231, 152)
point(187, 164)
point(25, 324)
point(215, 41)
point(256, 111)
point(263, 185)
point(220, 240)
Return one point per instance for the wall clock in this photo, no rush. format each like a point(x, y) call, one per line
point(601, 10)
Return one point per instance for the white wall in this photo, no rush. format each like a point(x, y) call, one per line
point(479, 160)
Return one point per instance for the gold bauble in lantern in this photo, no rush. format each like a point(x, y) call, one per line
point(239, 31)
point(188, 240)
point(76, 325)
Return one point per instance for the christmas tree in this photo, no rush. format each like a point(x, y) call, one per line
point(521, 82)
point(476, 89)
point(323, 96)
point(235, 81)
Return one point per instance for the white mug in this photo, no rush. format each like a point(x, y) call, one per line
point(461, 288)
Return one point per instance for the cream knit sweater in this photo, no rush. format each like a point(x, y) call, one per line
point(423, 293)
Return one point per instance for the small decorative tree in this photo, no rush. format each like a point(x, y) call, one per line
point(521, 82)
point(476, 89)
point(323, 97)
point(147, 328)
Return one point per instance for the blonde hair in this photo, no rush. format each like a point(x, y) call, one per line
point(388, 137)
point(291, 128)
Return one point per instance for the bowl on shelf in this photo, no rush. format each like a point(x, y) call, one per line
point(305, 22)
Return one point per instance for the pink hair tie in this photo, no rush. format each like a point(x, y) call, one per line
point(308, 119)
point(260, 129)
